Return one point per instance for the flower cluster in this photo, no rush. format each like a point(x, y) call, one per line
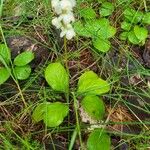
point(64, 10)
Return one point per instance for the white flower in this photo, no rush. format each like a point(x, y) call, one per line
point(58, 10)
point(70, 34)
point(63, 8)
point(56, 22)
point(67, 18)
point(63, 33)
point(56, 6)
point(73, 3)
point(69, 26)
point(55, 3)
point(66, 5)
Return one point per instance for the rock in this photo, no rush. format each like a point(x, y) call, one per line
point(19, 44)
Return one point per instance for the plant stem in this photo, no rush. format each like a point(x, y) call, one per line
point(145, 5)
point(66, 65)
point(21, 94)
point(1, 7)
point(77, 119)
point(73, 139)
point(65, 54)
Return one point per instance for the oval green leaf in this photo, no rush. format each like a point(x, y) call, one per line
point(98, 140)
point(93, 106)
point(105, 30)
point(95, 26)
point(52, 114)
point(132, 15)
point(101, 45)
point(88, 74)
point(146, 18)
point(22, 72)
point(57, 77)
point(87, 13)
point(81, 30)
point(39, 111)
point(5, 53)
point(123, 36)
point(132, 38)
point(110, 32)
point(4, 75)
point(141, 33)
point(24, 58)
point(126, 26)
point(89, 83)
point(106, 9)
point(100, 28)
point(56, 112)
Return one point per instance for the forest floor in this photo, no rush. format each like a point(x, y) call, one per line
point(26, 25)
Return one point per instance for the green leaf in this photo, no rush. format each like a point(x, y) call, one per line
point(24, 58)
point(87, 13)
point(88, 74)
point(57, 77)
point(4, 75)
point(141, 33)
point(106, 9)
point(110, 32)
point(94, 106)
point(126, 26)
point(132, 15)
point(146, 18)
point(39, 111)
point(132, 38)
point(138, 17)
point(5, 53)
point(101, 45)
point(22, 72)
point(123, 36)
point(98, 140)
point(80, 29)
point(92, 27)
point(105, 31)
point(52, 114)
point(90, 83)
point(129, 13)
point(100, 28)
point(55, 115)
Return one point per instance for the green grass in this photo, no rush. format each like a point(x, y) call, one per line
point(18, 130)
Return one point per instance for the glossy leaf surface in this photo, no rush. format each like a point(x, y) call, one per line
point(57, 77)
point(93, 106)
